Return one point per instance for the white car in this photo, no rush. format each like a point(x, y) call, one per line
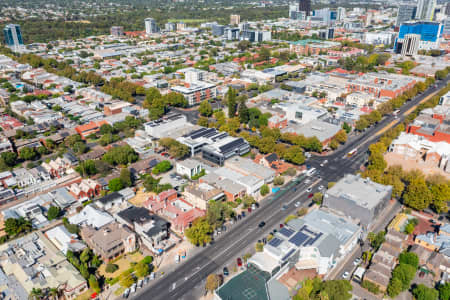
point(357, 261)
point(345, 275)
point(309, 190)
point(320, 187)
point(297, 204)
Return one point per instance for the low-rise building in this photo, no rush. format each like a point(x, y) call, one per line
point(189, 167)
point(33, 262)
point(358, 198)
point(199, 194)
point(196, 92)
point(110, 241)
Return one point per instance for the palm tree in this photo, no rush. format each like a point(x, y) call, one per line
point(53, 293)
point(35, 294)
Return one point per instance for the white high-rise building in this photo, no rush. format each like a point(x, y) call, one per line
point(150, 26)
point(425, 10)
point(409, 44)
point(340, 14)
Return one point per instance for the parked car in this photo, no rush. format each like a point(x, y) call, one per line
point(225, 271)
point(297, 204)
point(140, 283)
point(239, 262)
point(133, 288)
point(345, 275)
point(281, 225)
point(126, 293)
point(309, 190)
point(310, 195)
point(320, 187)
point(152, 275)
point(146, 280)
point(357, 261)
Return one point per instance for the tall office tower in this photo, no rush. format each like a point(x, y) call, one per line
point(235, 19)
point(244, 26)
point(170, 26)
point(340, 14)
point(150, 26)
point(406, 12)
point(429, 33)
point(13, 36)
point(116, 30)
point(305, 5)
point(425, 10)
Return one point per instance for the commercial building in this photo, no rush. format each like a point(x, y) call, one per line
point(218, 30)
point(196, 92)
point(13, 36)
point(409, 45)
point(425, 10)
point(405, 13)
point(378, 38)
point(214, 145)
point(162, 127)
point(235, 19)
point(150, 26)
point(33, 262)
point(312, 245)
point(189, 167)
point(199, 194)
point(116, 31)
point(310, 47)
point(430, 34)
point(358, 198)
point(305, 5)
point(171, 27)
point(232, 34)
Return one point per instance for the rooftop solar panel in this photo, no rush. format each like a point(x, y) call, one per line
point(288, 254)
point(298, 239)
point(275, 242)
point(287, 232)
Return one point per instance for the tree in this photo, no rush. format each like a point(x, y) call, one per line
point(162, 167)
point(93, 283)
point(111, 268)
point(422, 292)
point(376, 239)
point(84, 271)
point(125, 177)
point(264, 190)
point(126, 279)
point(409, 258)
point(264, 54)
point(231, 102)
point(120, 155)
point(199, 232)
point(10, 158)
point(53, 212)
point(86, 168)
point(115, 185)
point(417, 194)
point(317, 198)
point(85, 256)
point(279, 180)
point(405, 273)
point(16, 226)
point(205, 108)
point(341, 136)
point(27, 153)
point(444, 291)
point(347, 127)
point(333, 144)
point(213, 281)
point(243, 113)
point(361, 124)
point(142, 269)
point(243, 45)
point(336, 289)
point(394, 288)
point(294, 155)
point(441, 194)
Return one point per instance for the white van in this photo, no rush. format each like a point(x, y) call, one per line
point(311, 172)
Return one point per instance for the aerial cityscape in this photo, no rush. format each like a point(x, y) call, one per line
point(224, 150)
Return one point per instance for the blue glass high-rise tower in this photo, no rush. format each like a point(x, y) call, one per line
point(13, 35)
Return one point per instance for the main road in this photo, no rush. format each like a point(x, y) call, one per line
point(177, 284)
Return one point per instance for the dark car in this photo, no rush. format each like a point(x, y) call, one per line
point(243, 214)
point(249, 209)
point(262, 224)
point(239, 262)
point(225, 271)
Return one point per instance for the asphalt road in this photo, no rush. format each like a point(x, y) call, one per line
point(179, 283)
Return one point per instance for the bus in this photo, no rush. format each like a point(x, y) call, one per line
point(353, 152)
